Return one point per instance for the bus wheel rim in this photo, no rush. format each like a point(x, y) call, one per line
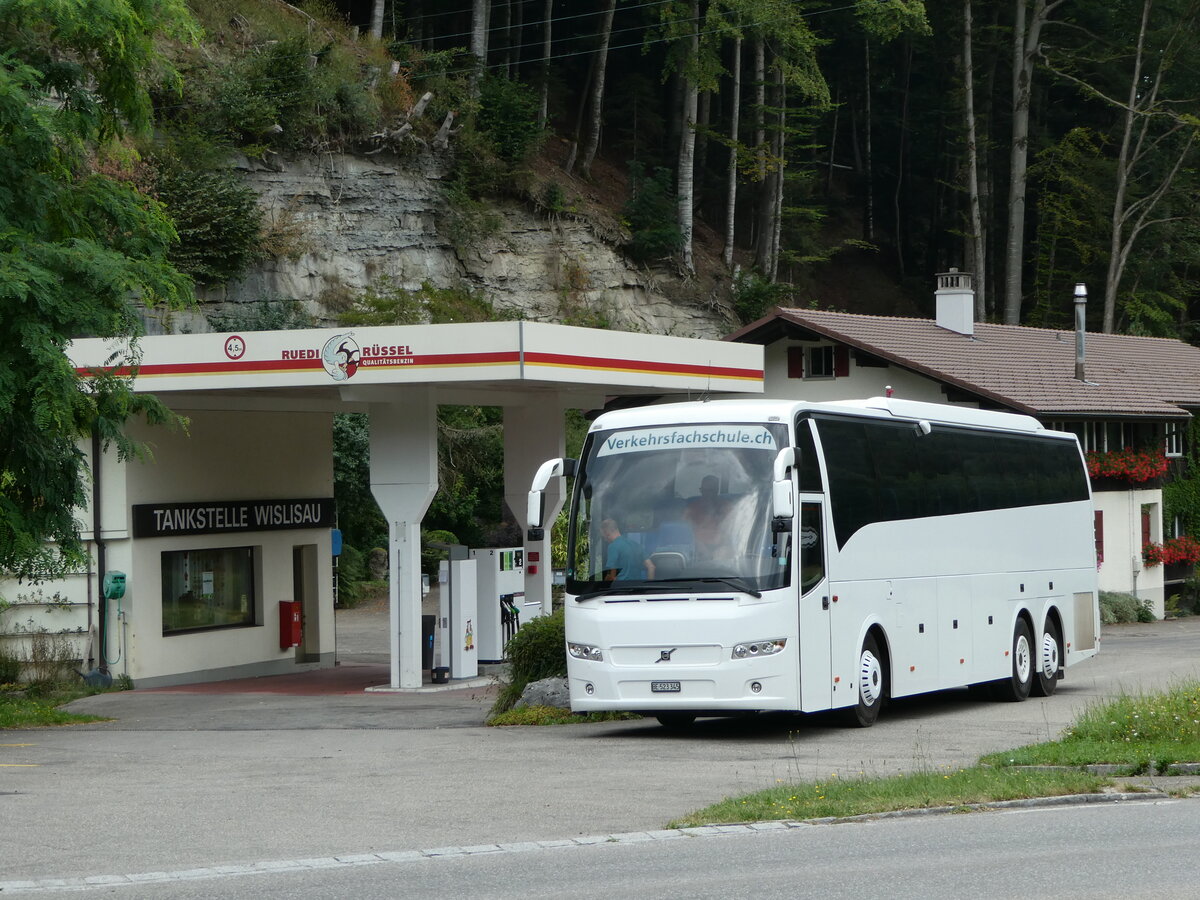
point(1049, 655)
point(870, 678)
point(1023, 663)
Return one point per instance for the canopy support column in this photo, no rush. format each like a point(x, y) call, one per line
point(404, 480)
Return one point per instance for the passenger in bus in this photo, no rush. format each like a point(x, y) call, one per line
point(706, 514)
point(624, 559)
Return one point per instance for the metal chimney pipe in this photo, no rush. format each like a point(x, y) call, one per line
point(1080, 328)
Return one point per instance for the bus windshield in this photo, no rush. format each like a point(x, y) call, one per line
point(677, 505)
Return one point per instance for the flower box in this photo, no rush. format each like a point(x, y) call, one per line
point(1140, 467)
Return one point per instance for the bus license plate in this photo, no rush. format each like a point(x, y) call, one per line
point(664, 687)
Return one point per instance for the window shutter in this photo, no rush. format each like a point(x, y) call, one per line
point(1145, 526)
point(1099, 536)
point(841, 361)
point(795, 362)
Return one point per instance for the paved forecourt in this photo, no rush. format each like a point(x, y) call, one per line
point(185, 780)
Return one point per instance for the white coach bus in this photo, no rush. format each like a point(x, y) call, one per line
point(746, 555)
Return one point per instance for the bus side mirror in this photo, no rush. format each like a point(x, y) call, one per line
point(536, 510)
point(783, 503)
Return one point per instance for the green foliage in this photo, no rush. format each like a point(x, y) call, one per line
point(538, 650)
point(351, 572)
point(840, 797)
point(650, 214)
point(754, 296)
point(552, 715)
point(507, 118)
point(363, 525)
point(78, 250)
point(216, 217)
point(264, 314)
point(299, 90)
point(10, 666)
point(1145, 732)
point(1120, 608)
point(384, 302)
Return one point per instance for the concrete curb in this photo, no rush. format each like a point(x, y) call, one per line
point(267, 867)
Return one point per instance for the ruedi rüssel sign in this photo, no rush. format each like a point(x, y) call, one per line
point(224, 516)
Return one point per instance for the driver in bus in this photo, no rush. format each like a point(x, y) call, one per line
point(624, 559)
point(706, 514)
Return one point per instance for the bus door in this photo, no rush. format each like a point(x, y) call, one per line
point(814, 612)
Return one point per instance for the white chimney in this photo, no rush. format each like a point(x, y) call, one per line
point(955, 302)
point(1080, 328)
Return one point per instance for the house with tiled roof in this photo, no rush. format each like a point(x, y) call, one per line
point(1127, 398)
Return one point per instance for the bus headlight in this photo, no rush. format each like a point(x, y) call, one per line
point(585, 651)
point(758, 648)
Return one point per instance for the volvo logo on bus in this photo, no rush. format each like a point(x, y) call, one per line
point(665, 655)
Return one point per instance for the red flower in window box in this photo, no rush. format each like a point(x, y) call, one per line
point(1183, 549)
point(1134, 466)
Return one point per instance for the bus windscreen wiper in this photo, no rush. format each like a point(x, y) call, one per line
point(631, 588)
point(736, 583)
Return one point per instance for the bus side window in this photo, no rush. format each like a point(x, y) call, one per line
point(812, 551)
point(806, 460)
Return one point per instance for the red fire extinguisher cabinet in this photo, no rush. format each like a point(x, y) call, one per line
point(290, 624)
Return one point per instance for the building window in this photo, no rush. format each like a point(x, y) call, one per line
point(210, 588)
point(826, 361)
point(1173, 443)
point(819, 362)
point(1110, 436)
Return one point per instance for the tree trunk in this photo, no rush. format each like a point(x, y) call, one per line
point(903, 137)
point(597, 101)
point(978, 244)
point(1026, 36)
point(573, 154)
point(781, 151)
point(760, 133)
point(377, 20)
point(869, 216)
point(687, 148)
point(732, 172)
point(480, 10)
point(543, 107)
point(833, 135)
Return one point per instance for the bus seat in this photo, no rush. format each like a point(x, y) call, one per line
point(668, 563)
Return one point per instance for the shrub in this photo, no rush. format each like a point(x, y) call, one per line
point(10, 668)
point(538, 650)
point(1117, 608)
point(651, 215)
point(217, 218)
point(351, 571)
point(508, 118)
point(753, 295)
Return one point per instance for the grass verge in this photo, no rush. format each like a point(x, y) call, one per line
point(841, 797)
point(1145, 732)
point(551, 715)
point(39, 708)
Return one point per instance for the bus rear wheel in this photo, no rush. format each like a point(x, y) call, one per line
point(872, 685)
point(1049, 660)
point(1017, 686)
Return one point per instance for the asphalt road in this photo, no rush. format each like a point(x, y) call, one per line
point(185, 781)
point(1066, 852)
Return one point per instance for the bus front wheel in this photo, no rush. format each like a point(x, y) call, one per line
point(1048, 660)
point(872, 685)
point(1017, 686)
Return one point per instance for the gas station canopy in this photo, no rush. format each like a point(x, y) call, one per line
point(398, 375)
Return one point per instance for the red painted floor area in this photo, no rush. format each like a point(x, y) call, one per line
point(347, 678)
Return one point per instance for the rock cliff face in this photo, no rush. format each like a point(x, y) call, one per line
point(353, 220)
